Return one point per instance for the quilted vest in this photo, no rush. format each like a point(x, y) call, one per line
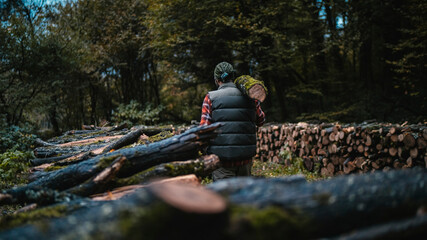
point(237, 138)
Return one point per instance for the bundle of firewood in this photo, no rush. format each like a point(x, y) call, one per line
point(335, 149)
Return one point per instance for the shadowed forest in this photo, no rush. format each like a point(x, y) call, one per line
point(70, 63)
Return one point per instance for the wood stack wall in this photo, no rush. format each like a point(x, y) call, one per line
point(335, 149)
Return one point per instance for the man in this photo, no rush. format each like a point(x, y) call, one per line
point(235, 145)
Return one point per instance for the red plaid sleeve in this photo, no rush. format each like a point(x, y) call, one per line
point(260, 115)
point(206, 111)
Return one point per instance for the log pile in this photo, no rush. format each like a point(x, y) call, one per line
point(380, 205)
point(114, 164)
point(335, 149)
point(106, 194)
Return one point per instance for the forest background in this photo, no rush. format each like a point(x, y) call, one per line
point(68, 63)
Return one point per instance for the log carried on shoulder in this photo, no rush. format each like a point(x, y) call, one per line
point(251, 87)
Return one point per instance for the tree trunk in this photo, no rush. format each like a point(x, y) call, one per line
point(346, 202)
point(162, 211)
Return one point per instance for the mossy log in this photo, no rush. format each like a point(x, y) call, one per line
point(100, 181)
point(331, 207)
point(258, 209)
point(123, 141)
point(177, 148)
point(40, 161)
point(47, 152)
point(251, 87)
point(41, 196)
point(202, 167)
point(164, 211)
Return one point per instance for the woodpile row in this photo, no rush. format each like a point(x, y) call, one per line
point(334, 149)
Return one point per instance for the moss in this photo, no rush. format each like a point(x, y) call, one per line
point(164, 170)
point(53, 168)
point(271, 169)
point(33, 216)
point(206, 180)
point(107, 160)
point(144, 222)
point(245, 82)
point(160, 136)
point(268, 223)
point(196, 167)
point(162, 221)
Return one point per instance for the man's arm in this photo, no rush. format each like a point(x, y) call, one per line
point(260, 115)
point(206, 111)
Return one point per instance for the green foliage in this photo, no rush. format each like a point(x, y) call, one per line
point(135, 113)
point(14, 138)
point(13, 168)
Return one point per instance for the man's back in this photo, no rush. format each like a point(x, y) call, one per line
point(237, 137)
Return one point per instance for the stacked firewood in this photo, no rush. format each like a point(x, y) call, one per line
point(335, 149)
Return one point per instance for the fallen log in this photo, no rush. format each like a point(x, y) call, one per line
point(123, 141)
point(40, 161)
point(177, 148)
point(309, 210)
point(251, 87)
point(202, 167)
point(40, 142)
point(259, 208)
point(234, 185)
point(183, 209)
point(100, 181)
point(39, 195)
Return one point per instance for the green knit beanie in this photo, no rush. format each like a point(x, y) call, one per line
point(224, 72)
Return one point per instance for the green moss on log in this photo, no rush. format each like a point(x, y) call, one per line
point(246, 82)
point(106, 161)
point(161, 221)
point(53, 168)
point(172, 169)
point(160, 136)
point(268, 223)
point(34, 216)
point(144, 222)
point(196, 167)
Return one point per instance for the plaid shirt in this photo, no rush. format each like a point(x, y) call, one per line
point(206, 119)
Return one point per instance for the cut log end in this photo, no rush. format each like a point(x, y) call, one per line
point(189, 198)
point(257, 92)
point(251, 87)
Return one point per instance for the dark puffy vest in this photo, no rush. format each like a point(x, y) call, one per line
point(236, 112)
